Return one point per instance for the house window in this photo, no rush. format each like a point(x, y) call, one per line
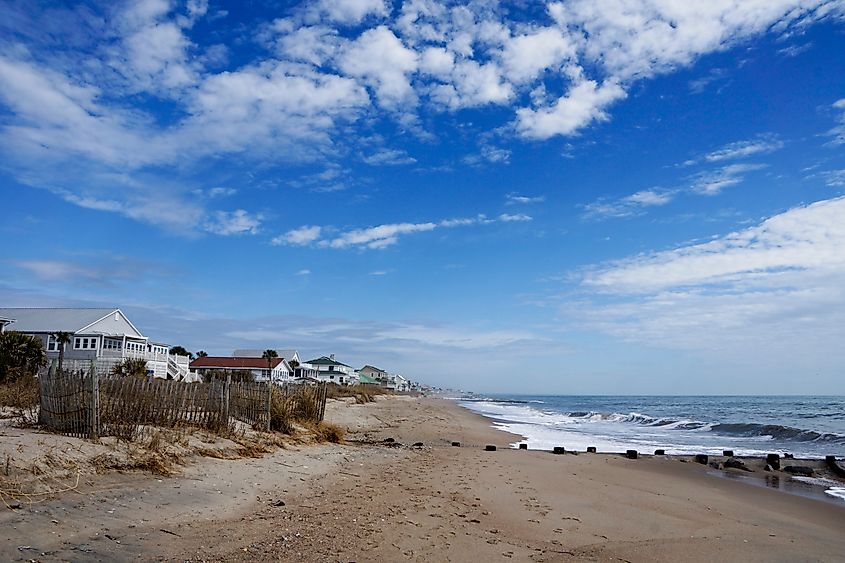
point(331, 368)
point(112, 344)
point(52, 345)
point(331, 377)
point(83, 343)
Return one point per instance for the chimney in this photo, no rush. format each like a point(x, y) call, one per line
point(331, 357)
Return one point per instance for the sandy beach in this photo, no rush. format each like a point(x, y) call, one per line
point(373, 500)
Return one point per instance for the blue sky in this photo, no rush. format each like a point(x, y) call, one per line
point(561, 197)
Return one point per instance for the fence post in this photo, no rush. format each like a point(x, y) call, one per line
point(225, 402)
point(94, 429)
point(269, 402)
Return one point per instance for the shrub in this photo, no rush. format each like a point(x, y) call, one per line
point(131, 367)
point(329, 432)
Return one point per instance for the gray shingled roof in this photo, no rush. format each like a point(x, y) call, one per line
point(52, 320)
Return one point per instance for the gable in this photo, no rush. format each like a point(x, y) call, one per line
point(113, 323)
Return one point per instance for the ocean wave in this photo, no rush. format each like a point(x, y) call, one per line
point(777, 432)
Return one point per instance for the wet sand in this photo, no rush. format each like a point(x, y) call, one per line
point(371, 501)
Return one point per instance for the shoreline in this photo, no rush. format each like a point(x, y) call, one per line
point(757, 477)
point(680, 434)
point(378, 500)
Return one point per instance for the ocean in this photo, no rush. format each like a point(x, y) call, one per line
point(810, 427)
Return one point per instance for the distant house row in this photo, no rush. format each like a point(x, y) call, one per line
point(106, 337)
point(288, 367)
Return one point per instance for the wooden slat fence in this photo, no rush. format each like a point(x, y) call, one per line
point(250, 402)
point(88, 405)
point(65, 403)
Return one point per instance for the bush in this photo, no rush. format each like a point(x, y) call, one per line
point(131, 367)
point(302, 405)
point(328, 432)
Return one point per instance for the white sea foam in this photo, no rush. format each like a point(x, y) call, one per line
point(838, 492)
point(545, 429)
point(819, 481)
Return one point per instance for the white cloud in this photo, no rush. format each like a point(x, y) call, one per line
point(515, 198)
point(713, 182)
point(383, 62)
point(778, 286)
point(238, 222)
point(524, 57)
point(378, 237)
point(348, 12)
point(838, 132)
point(628, 206)
point(804, 239)
point(582, 104)
point(834, 178)
point(389, 157)
point(299, 237)
point(515, 218)
point(312, 44)
point(304, 272)
point(743, 149)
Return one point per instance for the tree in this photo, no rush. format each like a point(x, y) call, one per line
point(269, 355)
point(20, 354)
point(62, 338)
point(202, 354)
point(181, 351)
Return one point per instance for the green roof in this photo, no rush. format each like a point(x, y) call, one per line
point(364, 378)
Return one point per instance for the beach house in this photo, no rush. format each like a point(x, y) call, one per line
point(104, 337)
point(3, 322)
point(373, 372)
point(276, 370)
point(330, 370)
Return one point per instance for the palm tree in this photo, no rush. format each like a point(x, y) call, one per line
point(20, 354)
point(269, 355)
point(131, 367)
point(62, 338)
point(202, 354)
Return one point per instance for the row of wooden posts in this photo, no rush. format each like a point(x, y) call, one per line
point(772, 459)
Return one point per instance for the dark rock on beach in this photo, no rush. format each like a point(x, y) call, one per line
point(799, 470)
point(734, 463)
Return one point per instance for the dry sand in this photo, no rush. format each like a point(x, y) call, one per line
point(369, 501)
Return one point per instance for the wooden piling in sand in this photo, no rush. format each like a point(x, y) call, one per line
point(701, 458)
point(591, 449)
point(559, 450)
point(523, 446)
point(632, 454)
point(659, 452)
point(489, 448)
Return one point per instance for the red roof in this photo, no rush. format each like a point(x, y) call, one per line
point(226, 362)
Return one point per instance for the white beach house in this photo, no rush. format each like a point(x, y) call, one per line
point(103, 336)
point(329, 370)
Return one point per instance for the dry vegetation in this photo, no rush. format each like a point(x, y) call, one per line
point(19, 400)
point(364, 393)
point(288, 409)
